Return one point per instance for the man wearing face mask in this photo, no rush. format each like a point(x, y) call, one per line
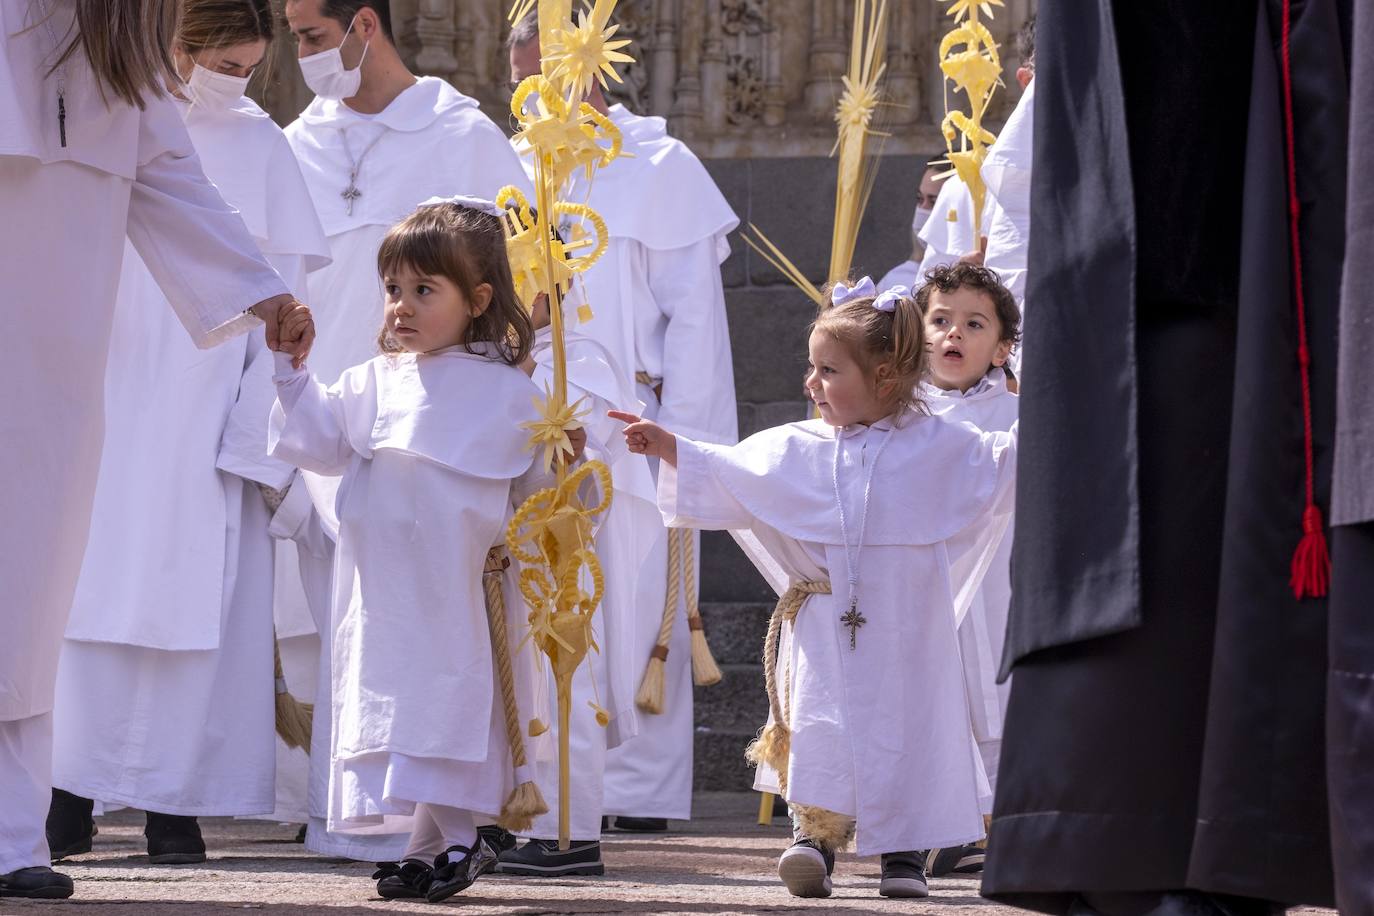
point(374, 143)
point(907, 273)
point(175, 596)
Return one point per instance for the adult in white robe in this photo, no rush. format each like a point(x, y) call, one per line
point(175, 597)
point(880, 728)
point(77, 183)
point(430, 141)
point(426, 492)
point(658, 307)
point(990, 407)
point(610, 677)
point(948, 233)
point(1007, 174)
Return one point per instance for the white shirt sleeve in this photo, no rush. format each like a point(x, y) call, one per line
point(307, 427)
point(698, 374)
point(194, 244)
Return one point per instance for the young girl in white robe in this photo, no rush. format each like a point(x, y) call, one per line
point(872, 523)
point(972, 326)
point(427, 439)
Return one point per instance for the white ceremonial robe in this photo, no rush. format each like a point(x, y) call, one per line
point(880, 731)
point(1007, 174)
point(175, 595)
point(659, 309)
point(462, 152)
point(624, 535)
point(948, 234)
point(983, 632)
point(907, 273)
point(122, 172)
point(426, 491)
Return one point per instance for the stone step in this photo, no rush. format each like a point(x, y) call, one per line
point(719, 760)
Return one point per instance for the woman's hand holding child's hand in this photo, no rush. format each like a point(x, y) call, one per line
point(296, 330)
point(647, 438)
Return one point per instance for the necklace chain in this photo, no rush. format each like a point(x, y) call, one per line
point(852, 618)
point(351, 193)
point(59, 74)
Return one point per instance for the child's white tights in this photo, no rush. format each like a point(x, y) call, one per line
point(437, 827)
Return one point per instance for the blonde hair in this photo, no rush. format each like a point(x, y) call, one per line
point(468, 247)
point(128, 45)
point(889, 345)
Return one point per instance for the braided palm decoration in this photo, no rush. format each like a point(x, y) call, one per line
point(551, 534)
point(975, 70)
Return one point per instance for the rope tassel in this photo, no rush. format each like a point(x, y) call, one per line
point(294, 718)
point(705, 671)
point(1310, 571)
point(526, 802)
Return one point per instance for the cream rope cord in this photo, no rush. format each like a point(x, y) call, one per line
point(773, 744)
point(526, 802)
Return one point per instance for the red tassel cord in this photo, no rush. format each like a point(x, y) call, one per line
point(1311, 568)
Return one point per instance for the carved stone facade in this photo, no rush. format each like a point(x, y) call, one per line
point(734, 78)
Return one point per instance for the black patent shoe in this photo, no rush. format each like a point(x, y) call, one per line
point(498, 838)
point(542, 859)
point(955, 860)
point(38, 883)
point(403, 880)
point(174, 840)
point(70, 825)
point(457, 867)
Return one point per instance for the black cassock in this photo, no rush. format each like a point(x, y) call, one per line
point(1165, 741)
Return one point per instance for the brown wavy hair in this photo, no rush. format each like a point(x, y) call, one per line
point(469, 248)
point(948, 278)
point(221, 23)
point(890, 345)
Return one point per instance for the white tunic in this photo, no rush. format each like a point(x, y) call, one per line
point(982, 634)
point(175, 595)
point(948, 234)
point(659, 309)
point(623, 539)
point(1007, 174)
point(68, 210)
point(881, 731)
point(426, 490)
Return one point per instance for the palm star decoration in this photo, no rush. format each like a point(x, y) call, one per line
point(581, 54)
point(961, 9)
point(551, 430)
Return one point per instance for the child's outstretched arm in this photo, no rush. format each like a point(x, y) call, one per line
point(645, 437)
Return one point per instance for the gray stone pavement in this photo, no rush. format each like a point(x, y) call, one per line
point(722, 862)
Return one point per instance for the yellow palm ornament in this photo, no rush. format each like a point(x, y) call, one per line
point(969, 60)
point(857, 170)
point(552, 533)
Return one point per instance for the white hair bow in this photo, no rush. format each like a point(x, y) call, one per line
point(887, 302)
point(472, 203)
point(842, 294)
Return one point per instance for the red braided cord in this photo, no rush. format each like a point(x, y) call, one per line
point(1310, 561)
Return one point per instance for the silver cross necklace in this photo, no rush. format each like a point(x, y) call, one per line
point(851, 617)
point(351, 193)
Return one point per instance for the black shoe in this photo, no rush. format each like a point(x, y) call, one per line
point(456, 873)
point(956, 860)
point(642, 824)
point(173, 840)
point(498, 838)
point(70, 825)
point(300, 834)
point(806, 867)
point(904, 875)
point(399, 880)
point(605, 823)
point(39, 882)
point(541, 859)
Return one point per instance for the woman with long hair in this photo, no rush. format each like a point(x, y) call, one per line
point(176, 589)
point(92, 151)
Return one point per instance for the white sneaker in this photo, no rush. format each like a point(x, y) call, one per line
point(805, 869)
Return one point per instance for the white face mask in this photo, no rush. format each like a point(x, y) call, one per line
point(918, 222)
point(214, 91)
point(325, 74)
